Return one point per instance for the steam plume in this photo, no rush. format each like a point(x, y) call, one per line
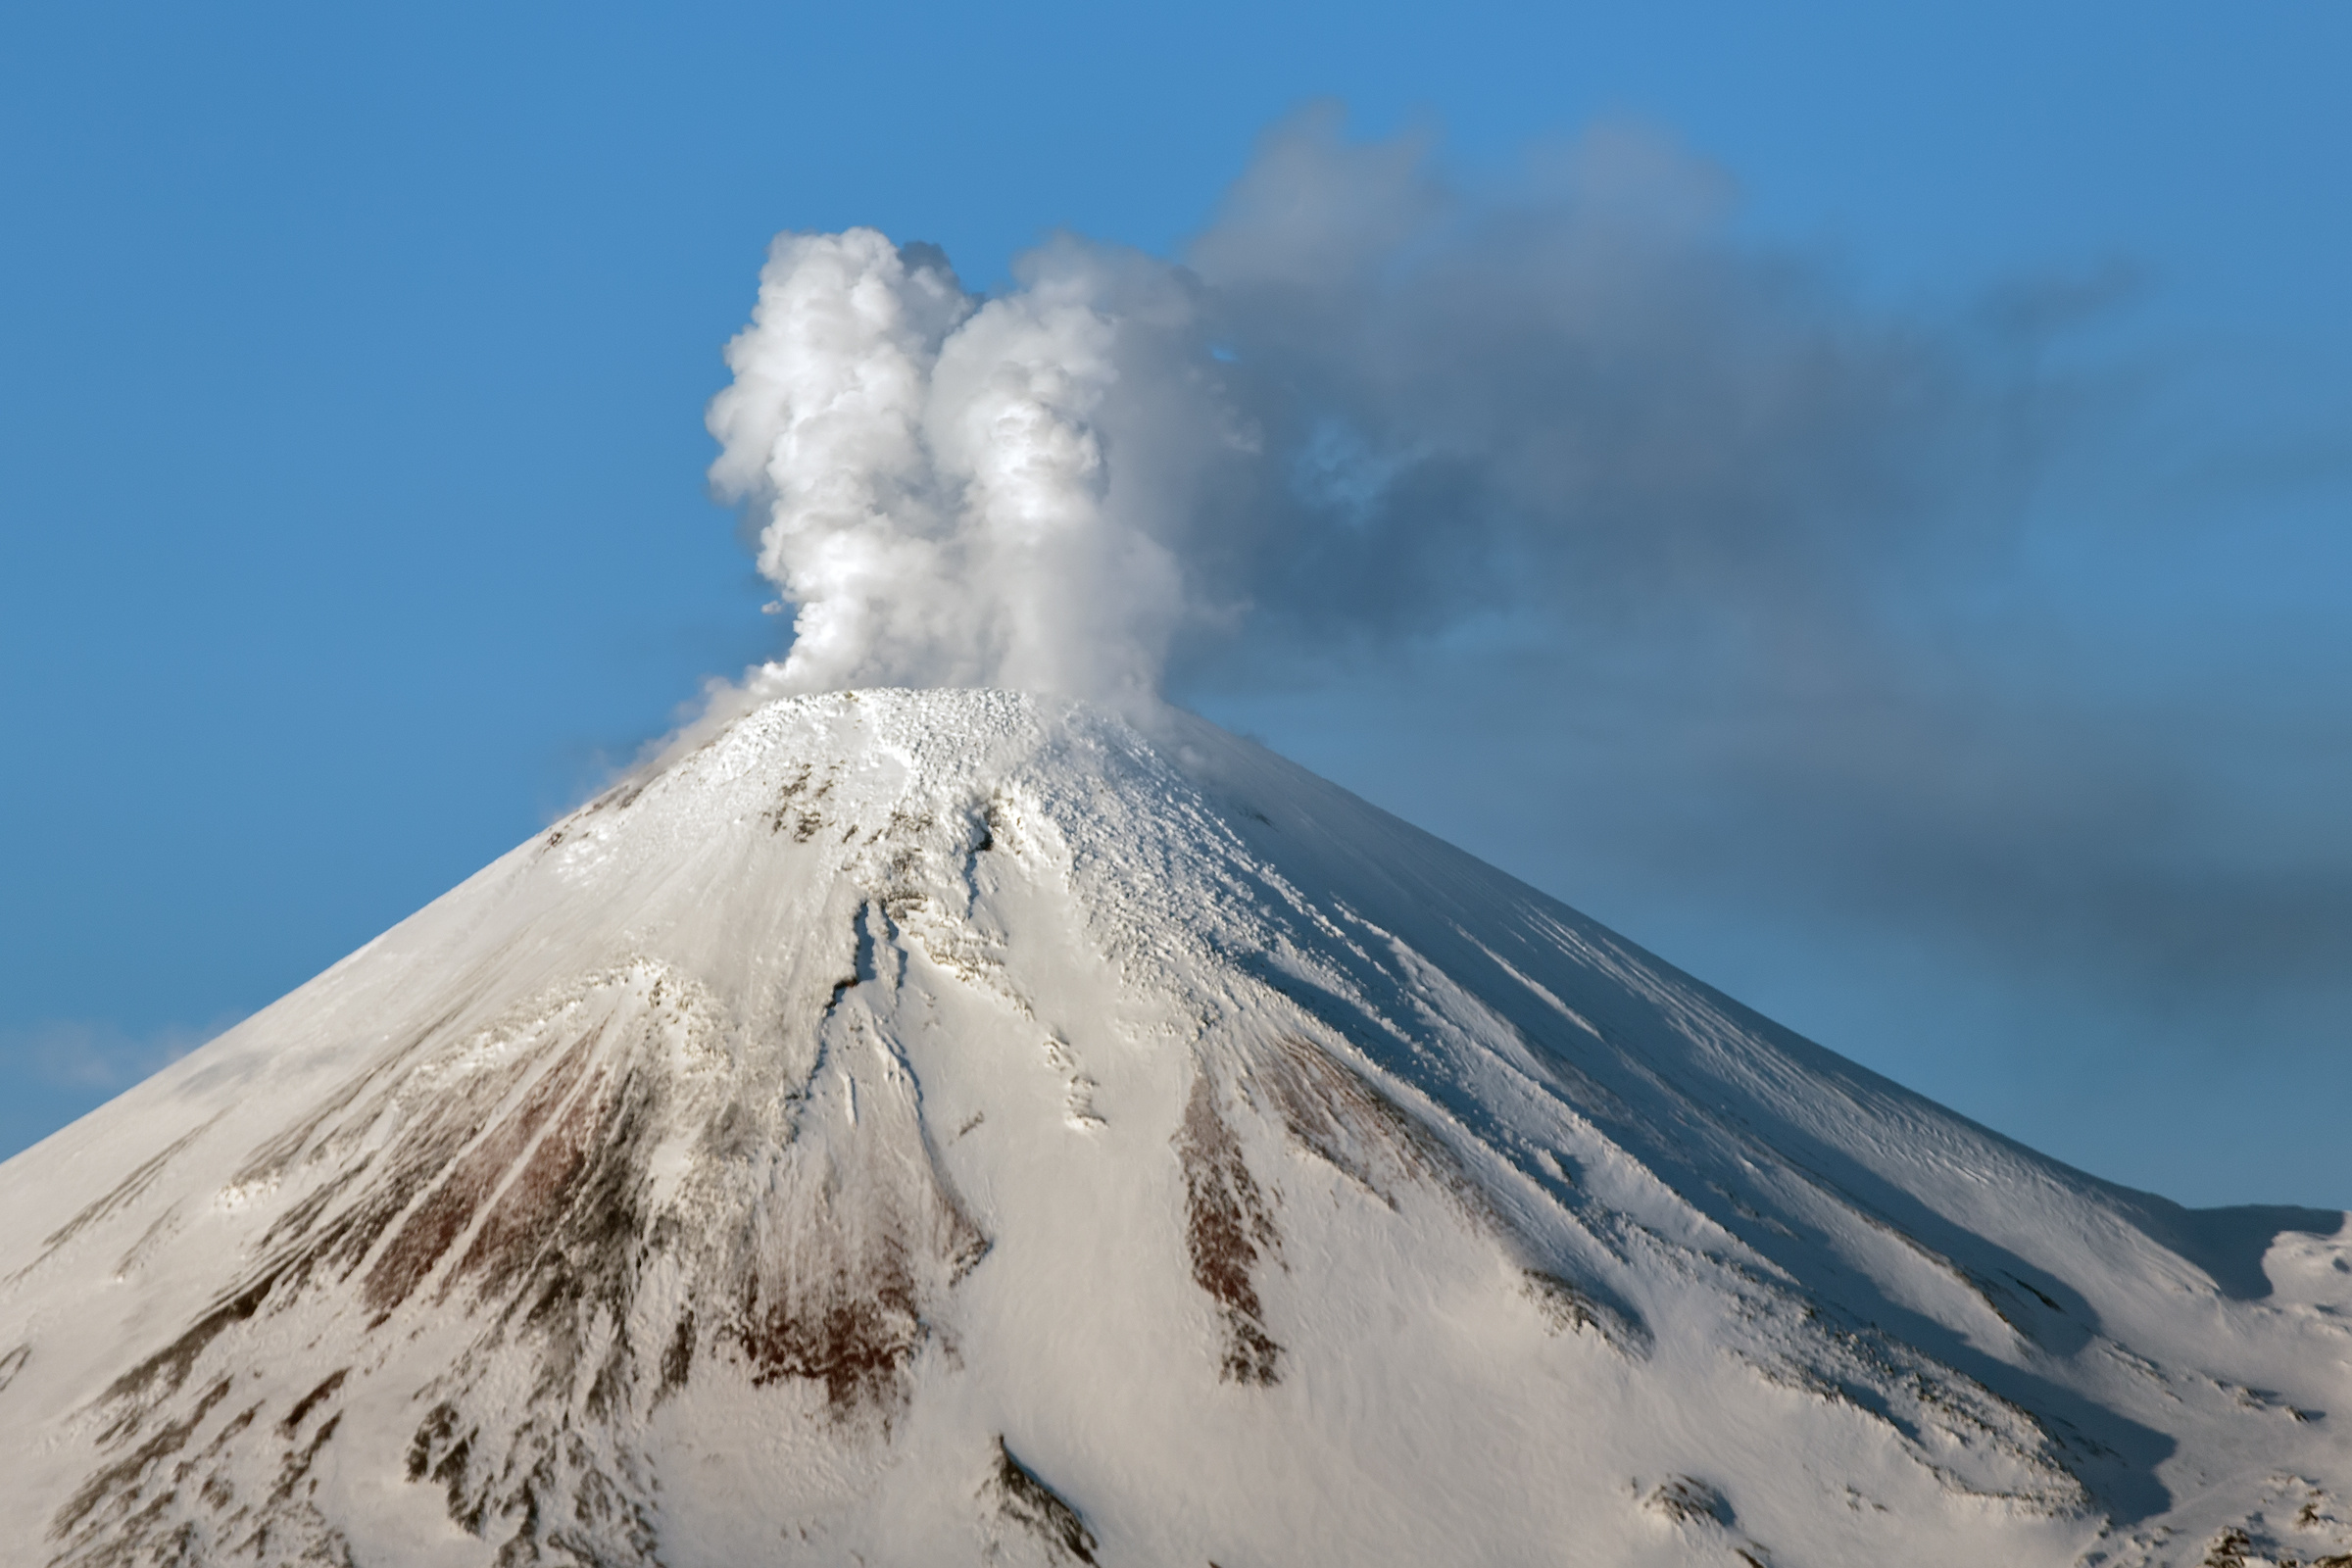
point(962, 492)
point(1366, 407)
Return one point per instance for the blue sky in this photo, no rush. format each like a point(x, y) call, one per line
point(353, 520)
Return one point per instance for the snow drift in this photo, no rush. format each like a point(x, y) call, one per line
point(933, 1127)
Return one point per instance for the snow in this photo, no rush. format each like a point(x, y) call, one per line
point(957, 1126)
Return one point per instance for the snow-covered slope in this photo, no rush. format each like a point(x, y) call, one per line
point(923, 1128)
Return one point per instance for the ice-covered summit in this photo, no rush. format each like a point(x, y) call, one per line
point(935, 1127)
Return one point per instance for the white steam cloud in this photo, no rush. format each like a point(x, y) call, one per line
point(966, 492)
point(1366, 407)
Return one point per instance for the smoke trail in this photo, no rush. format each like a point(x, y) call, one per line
point(1366, 407)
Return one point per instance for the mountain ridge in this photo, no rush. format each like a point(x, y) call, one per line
point(965, 1126)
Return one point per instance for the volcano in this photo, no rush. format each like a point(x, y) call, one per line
point(964, 1127)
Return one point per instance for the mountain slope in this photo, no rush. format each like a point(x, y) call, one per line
point(958, 1126)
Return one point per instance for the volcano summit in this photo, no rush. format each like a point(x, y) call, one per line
point(959, 1127)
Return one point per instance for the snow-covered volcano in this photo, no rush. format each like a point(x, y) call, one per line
point(952, 1127)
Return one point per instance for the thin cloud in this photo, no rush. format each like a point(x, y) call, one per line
point(98, 1057)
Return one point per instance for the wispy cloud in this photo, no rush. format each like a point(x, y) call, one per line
point(95, 1056)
